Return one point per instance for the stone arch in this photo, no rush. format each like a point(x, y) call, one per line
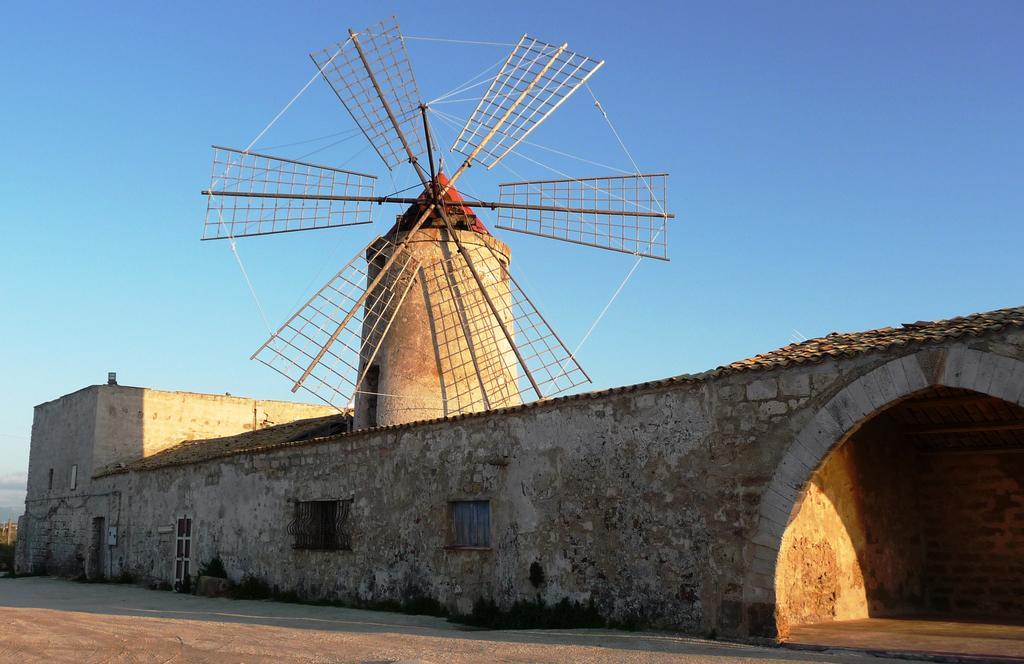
point(858, 402)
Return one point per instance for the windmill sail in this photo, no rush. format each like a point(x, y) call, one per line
point(335, 336)
point(479, 367)
point(623, 213)
point(257, 194)
point(372, 77)
point(535, 80)
point(467, 338)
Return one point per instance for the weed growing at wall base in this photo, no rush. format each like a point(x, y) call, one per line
point(532, 614)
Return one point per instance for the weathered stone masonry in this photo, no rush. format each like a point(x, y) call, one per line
point(665, 502)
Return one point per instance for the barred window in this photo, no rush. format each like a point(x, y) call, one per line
point(470, 523)
point(322, 524)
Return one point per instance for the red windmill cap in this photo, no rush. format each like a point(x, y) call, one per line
point(452, 195)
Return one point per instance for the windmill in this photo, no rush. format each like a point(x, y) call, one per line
point(426, 320)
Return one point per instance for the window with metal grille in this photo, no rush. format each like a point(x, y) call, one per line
point(470, 523)
point(322, 524)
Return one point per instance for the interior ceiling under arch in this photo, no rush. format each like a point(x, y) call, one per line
point(952, 419)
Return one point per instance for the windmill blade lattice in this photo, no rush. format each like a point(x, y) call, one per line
point(369, 73)
point(491, 346)
point(623, 213)
point(335, 336)
point(248, 195)
point(535, 80)
point(466, 335)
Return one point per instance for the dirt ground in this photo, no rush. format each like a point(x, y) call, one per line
point(51, 620)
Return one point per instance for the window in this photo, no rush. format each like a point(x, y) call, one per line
point(470, 523)
point(49, 484)
point(183, 550)
point(322, 524)
point(74, 477)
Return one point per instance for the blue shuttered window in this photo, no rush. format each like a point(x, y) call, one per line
point(471, 523)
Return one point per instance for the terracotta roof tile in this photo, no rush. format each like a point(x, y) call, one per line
point(849, 344)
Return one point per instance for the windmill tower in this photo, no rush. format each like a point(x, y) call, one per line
point(427, 321)
point(444, 352)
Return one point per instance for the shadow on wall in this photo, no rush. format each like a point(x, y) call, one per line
point(894, 524)
point(852, 550)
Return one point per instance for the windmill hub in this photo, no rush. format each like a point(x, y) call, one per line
point(460, 215)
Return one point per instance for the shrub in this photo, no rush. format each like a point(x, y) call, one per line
point(422, 605)
point(214, 568)
point(251, 587)
point(6, 557)
point(532, 614)
point(536, 574)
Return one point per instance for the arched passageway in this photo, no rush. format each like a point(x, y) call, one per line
point(918, 513)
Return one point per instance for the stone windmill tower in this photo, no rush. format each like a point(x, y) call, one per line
point(444, 352)
point(427, 321)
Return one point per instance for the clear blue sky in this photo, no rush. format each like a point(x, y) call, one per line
point(835, 166)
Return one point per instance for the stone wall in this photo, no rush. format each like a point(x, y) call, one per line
point(974, 534)
point(646, 501)
point(665, 503)
point(108, 424)
point(52, 534)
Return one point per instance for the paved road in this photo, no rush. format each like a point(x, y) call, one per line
point(50, 620)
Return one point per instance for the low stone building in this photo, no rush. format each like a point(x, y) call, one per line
point(67, 511)
point(853, 475)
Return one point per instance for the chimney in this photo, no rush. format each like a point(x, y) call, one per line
point(111, 378)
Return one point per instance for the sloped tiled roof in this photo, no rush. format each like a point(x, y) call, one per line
point(836, 345)
point(193, 451)
point(848, 344)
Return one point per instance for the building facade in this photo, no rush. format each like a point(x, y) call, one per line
point(68, 513)
point(854, 475)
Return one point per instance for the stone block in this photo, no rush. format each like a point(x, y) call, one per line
point(730, 614)
point(1018, 380)
point(760, 591)
point(851, 405)
point(821, 380)
point(1007, 379)
point(775, 506)
point(916, 379)
point(211, 586)
point(880, 387)
point(796, 384)
point(804, 455)
point(974, 375)
point(898, 377)
point(791, 473)
point(823, 431)
point(730, 392)
point(760, 390)
point(770, 408)
point(953, 368)
point(763, 566)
